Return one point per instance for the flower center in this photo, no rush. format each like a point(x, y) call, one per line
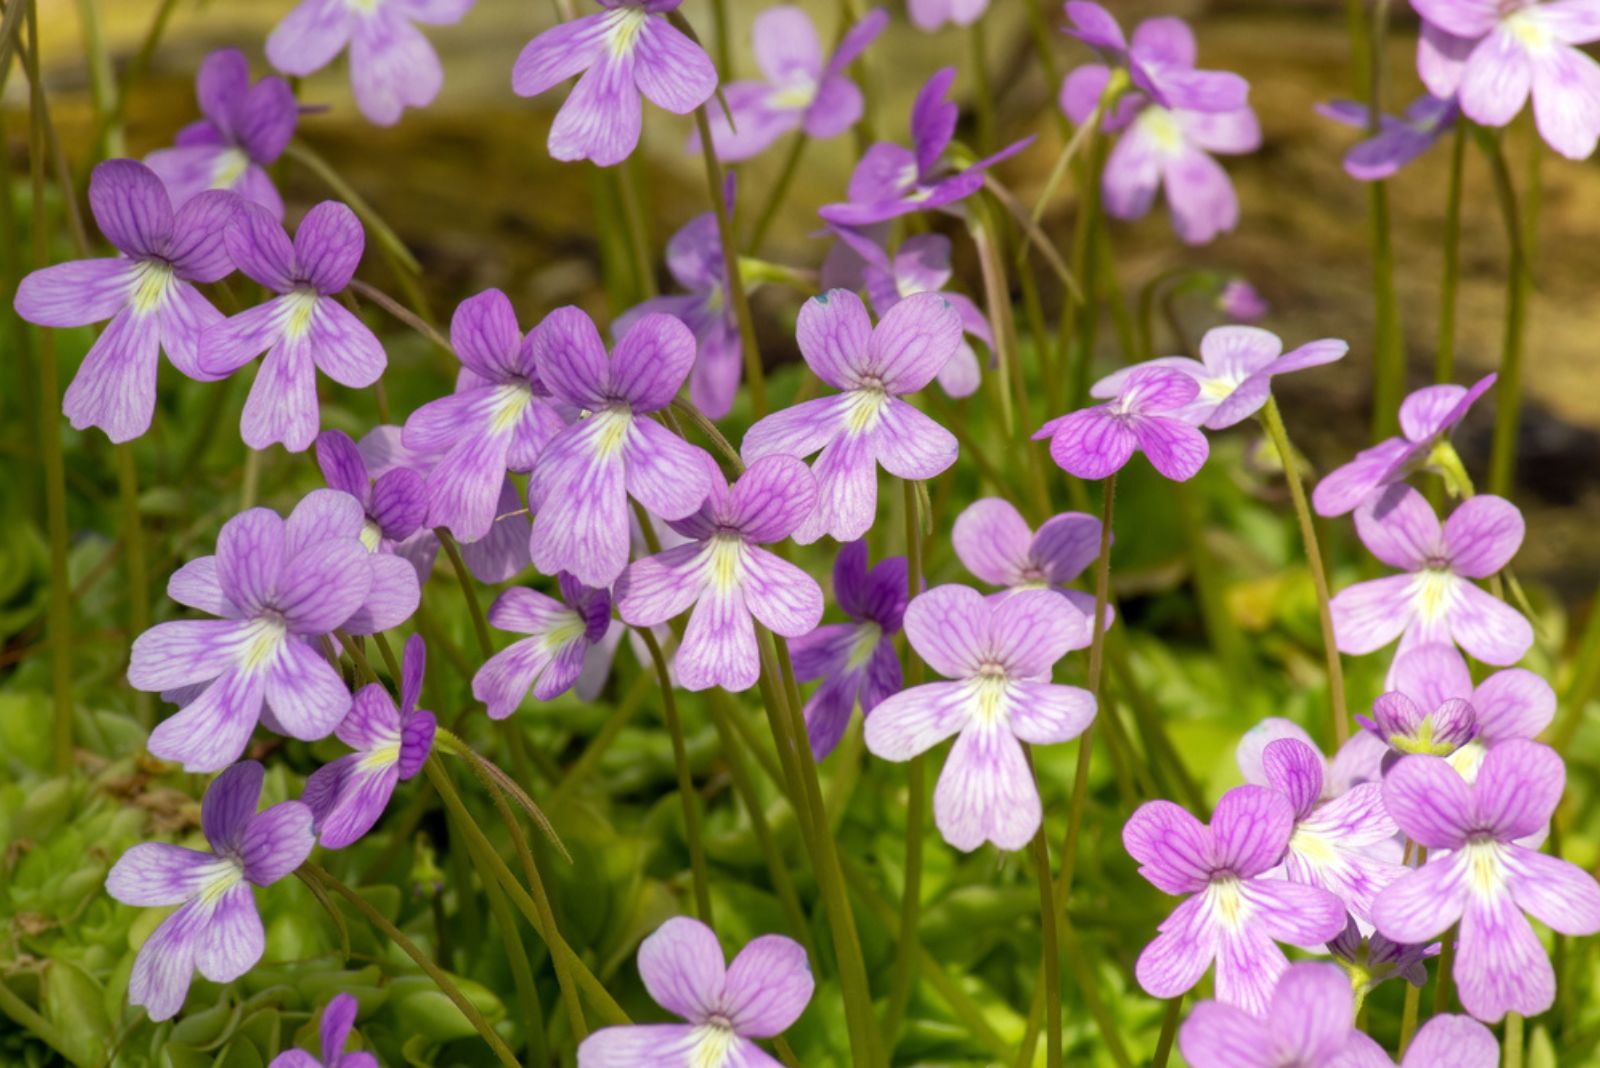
point(626, 23)
point(714, 1042)
point(382, 756)
point(1468, 759)
point(1485, 868)
point(797, 95)
point(1217, 389)
point(1312, 847)
point(614, 423)
point(222, 875)
point(1434, 592)
point(566, 630)
point(151, 280)
point(725, 561)
point(1529, 29)
point(1226, 901)
point(1162, 128)
point(865, 409)
point(364, 7)
point(229, 168)
point(511, 400)
point(989, 689)
point(868, 635)
point(371, 535)
point(261, 640)
point(299, 306)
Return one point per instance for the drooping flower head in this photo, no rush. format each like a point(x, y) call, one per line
point(147, 292)
point(994, 543)
point(1406, 729)
point(216, 927)
point(245, 129)
point(729, 581)
point(997, 654)
point(1159, 61)
point(548, 661)
point(395, 503)
point(724, 1006)
point(1375, 960)
point(337, 1020)
point(302, 330)
point(390, 744)
point(627, 50)
point(1400, 138)
point(867, 423)
point(1146, 415)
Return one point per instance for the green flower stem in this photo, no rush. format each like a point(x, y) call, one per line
point(250, 480)
point(1050, 969)
point(590, 758)
point(1442, 974)
point(1508, 410)
point(734, 283)
point(1226, 640)
point(982, 90)
point(389, 660)
point(1444, 367)
point(402, 314)
point(1083, 973)
point(22, 1014)
point(780, 189)
point(686, 791)
point(110, 120)
point(1513, 1040)
point(1151, 728)
point(1585, 680)
point(1111, 293)
point(496, 779)
point(480, 623)
point(358, 656)
point(687, 409)
point(1169, 1031)
point(533, 1024)
point(637, 231)
point(102, 82)
point(1408, 1018)
point(1085, 268)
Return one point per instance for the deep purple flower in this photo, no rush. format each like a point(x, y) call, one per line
point(624, 51)
point(1436, 599)
point(1160, 60)
point(395, 503)
point(147, 292)
point(759, 995)
point(302, 330)
point(800, 90)
point(391, 744)
point(1241, 302)
point(994, 543)
point(1146, 415)
point(1358, 761)
point(392, 66)
point(582, 480)
point(216, 928)
point(244, 131)
point(1399, 140)
point(278, 586)
point(548, 661)
point(1234, 915)
point(337, 1020)
point(856, 661)
point(998, 654)
point(930, 15)
point(1477, 873)
point(725, 576)
point(1407, 729)
point(867, 423)
point(1376, 960)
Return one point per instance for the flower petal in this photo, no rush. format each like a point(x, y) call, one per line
point(986, 791)
point(683, 968)
point(768, 986)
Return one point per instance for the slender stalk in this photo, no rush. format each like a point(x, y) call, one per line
point(1408, 1018)
point(754, 375)
point(1390, 373)
point(644, 270)
point(1584, 682)
point(713, 435)
point(780, 189)
point(584, 766)
point(1444, 367)
point(982, 91)
point(1085, 269)
point(1513, 1040)
point(22, 1014)
point(480, 623)
point(686, 790)
point(1508, 410)
point(109, 120)
point(250, 481)
point(102, 80)
point(389, 660)
point(521, 975)
point(1207, 575)
point(402, 314)
point(723, 47)
point(1444, 974)
point(1169, 1031)
point(1051, 969)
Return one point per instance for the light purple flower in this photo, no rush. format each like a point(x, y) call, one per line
point(302, 330)
point(891, 181)
point(627, 50)
point(1477, 873)
point(867, 423)
point(1376, 960)
point(760, 995)
point(1399, 140)
point(994, 543)
point(278, 586)
point(1235, 914)
point(147, 292)
point(548, 661)
point(856, 661)
point(1146, 415)
point(216, 927)
point(1436, 599)
point(930, 15)
point(1358, 761)
point(725, 576)
point(395, 503)
point(998, 653)
point(1426, 419)
point(245, 130)
point(1407, 730)
point(1234, 372)
point(1159, 61)
point(801, 91)
point(582, 480)
point(1241, 302)
point(392, 65)
point(391, 744)
point(337, 1020)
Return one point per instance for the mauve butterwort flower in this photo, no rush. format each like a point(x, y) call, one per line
point(147, 292)
point(727, 578)
point(216, 927)
point(1235, 914)
point(998, 653)
point(994, 543)
point(930, 15)
point(394, 504)
point(1399, 140)
point(1436, 599)
point(1146, 415)
point(392, 65)
point(867, 423)
point(1406, 728)
point(245, 129)
point(348, 795)
point(302, 330)
point(1358, 761)
point(624, 51)
point(725, 1006)
point(1159, 62)
point(856, 661)
point(337, 1020)
point(1477, 873)
point(1375, 960)
point(548, 661)
point(581, 482)
point(1241, 302)
point(1507, 705)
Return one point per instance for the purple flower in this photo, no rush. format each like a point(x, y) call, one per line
point(216, 927)
point(1495, 53)
point(856, 661)
point(1399, 140)
point(867, 423)
point(891, 181)
point(337, 1020)
point(1242, 302)
point(1426, 419)
point(1407, 730)
point(1435, 600)
point(727, 578)
point(759, 995)
point(146, 292)
point(998, 653)
point(994, 543)
point(1477, 873)
point(278, 586)
point(395, 503)
point(392, 66)
point(800, 91)
point(1310, 1022)
point(302, 330)
point(1234, 372)
point(930, 15)
point(1358, 761)
point(498, 418)
point(1377, 960)
point(624, 51)
point(1234, 915)
point(550, 659)
point(1160, 61)
point(582, 480)
point(244, 131)
point(1147, 414)
point(390, 744)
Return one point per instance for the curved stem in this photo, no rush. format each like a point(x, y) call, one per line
point(1169, 1031)
point(686, 790)
point(730, 267)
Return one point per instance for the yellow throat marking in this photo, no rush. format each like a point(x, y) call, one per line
point(151, 282)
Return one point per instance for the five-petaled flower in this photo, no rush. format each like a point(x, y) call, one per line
point(993, 542)
point(548, 661)
point(1146, 415)
point(337, 1020)
point(1399, 140)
